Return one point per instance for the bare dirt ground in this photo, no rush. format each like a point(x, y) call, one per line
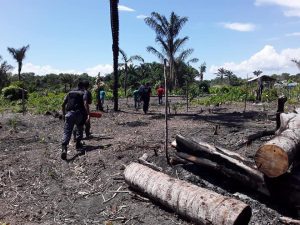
point(37, 187)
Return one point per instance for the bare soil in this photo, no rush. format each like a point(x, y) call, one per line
point(37, 187)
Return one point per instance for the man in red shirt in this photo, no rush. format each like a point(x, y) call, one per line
point(160, 93)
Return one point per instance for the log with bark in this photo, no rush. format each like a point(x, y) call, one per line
point(198, 204)
point(284, 189)
point(221, 160)
point(275, 157)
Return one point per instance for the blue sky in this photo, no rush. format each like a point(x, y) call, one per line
point(75, 36)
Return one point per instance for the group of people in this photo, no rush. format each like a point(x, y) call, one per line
point(76, 110)
point(143, 93)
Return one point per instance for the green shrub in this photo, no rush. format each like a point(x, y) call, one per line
point(204, 87)
point(13, 93)
point(41, 102)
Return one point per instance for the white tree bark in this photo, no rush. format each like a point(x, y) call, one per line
point(198, 204)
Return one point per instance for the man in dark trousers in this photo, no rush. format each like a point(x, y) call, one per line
point(145, 93)
point(87, 124)
point(75, 109)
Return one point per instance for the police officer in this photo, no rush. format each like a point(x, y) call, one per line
point(87, 124)
point(75, 109)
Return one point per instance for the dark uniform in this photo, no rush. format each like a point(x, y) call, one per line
point(87, 125)
point(145, 92)
point(75, 114)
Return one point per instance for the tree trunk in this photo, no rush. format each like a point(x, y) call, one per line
point(114, 15)
point(221, 160)
point(280, 109)
point(166, 113)
point(198, 204)
point(276, 156)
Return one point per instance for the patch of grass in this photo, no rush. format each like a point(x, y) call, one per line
point(13, 123)
point(40, 103)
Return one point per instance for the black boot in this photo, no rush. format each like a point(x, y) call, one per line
point(64, 152)
point(79, 146)
point(74, 136)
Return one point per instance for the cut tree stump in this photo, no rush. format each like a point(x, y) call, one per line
point(276, 156)
point(226, 162)
point(198, 204)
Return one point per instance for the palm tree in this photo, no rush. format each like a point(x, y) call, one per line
point(167, 32)
point(257, 72)
point(297, 62)
point(125, 63)
point(221, 73)
point(114, 19)
point(180, 61)
point(229, 74)
point(202, 70)
point(19, 56)
point(66, 79)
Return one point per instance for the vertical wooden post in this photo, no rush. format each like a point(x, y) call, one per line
point(187, 95)
point(246, 95)
point(166, 111)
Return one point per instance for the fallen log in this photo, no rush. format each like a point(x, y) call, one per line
point(247, 141)
point(275, 157)
point(221, 160)
point(289, 221)
point(198, 204)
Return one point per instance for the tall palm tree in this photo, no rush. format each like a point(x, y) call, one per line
point(257, 72)
point(114, 20)
point(202, 70)
point(125, 63)
point(167, 32)
point(221, 73)
point(19, 56)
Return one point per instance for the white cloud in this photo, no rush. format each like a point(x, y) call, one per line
point(293, 34)
point(291, 7)
point(47, 69)
point(102, 68)
point(141, 17)
point(243, 27)
point(268, 60)
point(125, 8)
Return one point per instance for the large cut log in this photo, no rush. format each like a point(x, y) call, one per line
point(276, 156)
point(198, 204)
point(221, 160)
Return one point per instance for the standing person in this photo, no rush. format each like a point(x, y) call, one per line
point(75, 109)
point(136, 98)
point(102, 98)
point(259, 89)
point(87, 124)
point(160, 93)
point(145, 92)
